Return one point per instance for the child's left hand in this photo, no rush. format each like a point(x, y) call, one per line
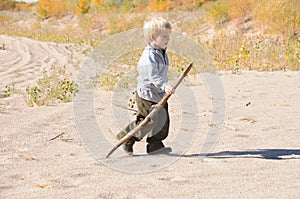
point(169, 90)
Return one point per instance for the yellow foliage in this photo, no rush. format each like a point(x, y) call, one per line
point(82, 7)
point(98, 1)
point(55, 8)
point(159, 5)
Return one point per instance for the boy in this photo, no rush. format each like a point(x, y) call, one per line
point(152, 86)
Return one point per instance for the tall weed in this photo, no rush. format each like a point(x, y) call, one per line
point(280, 16)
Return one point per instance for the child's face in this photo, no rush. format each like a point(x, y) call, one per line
point(161, 40)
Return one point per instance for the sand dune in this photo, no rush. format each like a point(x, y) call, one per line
point(24, 60)
point(256, 153)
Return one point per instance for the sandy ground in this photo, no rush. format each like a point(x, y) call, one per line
point(255, 153)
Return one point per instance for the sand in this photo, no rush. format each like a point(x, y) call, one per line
point(254, 152)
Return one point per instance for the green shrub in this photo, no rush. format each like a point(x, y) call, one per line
point(8, 90)
point(218, 11)
point(52, 88)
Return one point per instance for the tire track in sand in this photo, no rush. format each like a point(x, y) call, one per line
point(23, 60)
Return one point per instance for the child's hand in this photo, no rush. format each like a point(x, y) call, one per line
point(169, 90)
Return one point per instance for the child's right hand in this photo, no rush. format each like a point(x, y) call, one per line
point(169, 90)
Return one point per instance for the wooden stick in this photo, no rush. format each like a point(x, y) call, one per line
point(151, 115)
point(57, 136)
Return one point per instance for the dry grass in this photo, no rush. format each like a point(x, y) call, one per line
point(269, 42)
point(277, 16)
point(281, 16)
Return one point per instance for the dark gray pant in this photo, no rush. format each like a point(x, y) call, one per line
point(157, 130)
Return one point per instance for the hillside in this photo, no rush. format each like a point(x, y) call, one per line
point(237, 34)
point(233, 131)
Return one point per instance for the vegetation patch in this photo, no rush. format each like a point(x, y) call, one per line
point(8, 90)
point(54, 87)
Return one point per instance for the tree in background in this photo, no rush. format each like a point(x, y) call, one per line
point(7, 4)
point(56, 8)
point(83, 7)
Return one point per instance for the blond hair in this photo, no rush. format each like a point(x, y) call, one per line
point(155, 26)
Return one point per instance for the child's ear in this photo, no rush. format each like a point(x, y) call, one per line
point(153, 37)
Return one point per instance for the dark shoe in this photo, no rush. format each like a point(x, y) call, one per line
point(163, 150)
point(128, 147)
point(157, 148)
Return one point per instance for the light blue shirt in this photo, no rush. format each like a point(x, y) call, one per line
point(153, 74)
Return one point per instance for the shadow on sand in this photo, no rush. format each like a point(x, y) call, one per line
point(274, 154)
